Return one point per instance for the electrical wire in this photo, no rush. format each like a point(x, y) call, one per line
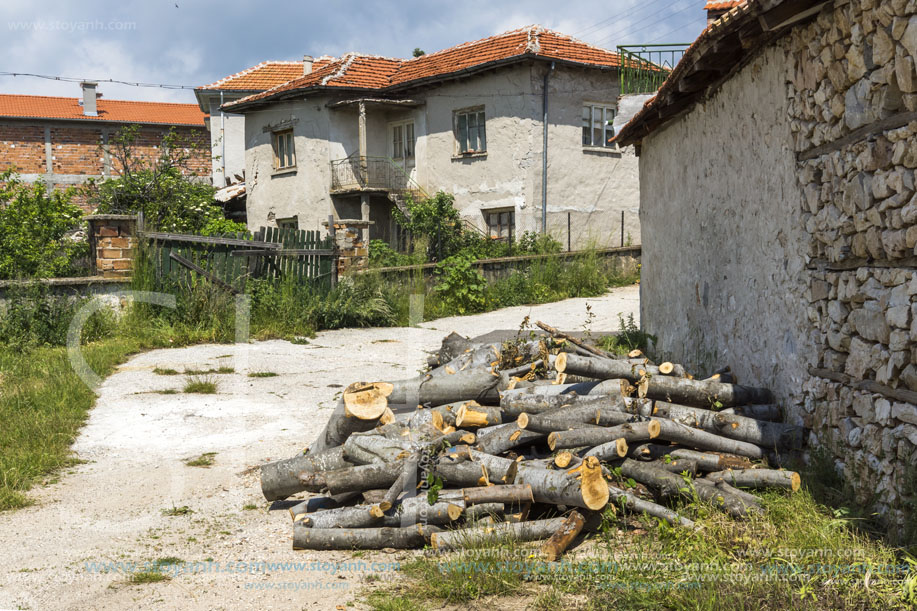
point(72, 79)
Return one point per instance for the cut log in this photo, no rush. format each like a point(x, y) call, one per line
point(721, 497)
point(380, 475)
point(417, 510)
point(318, 503)
point(479, 384)
point(702, 440)
point(452, 346)
point(574, 418)
point(667, 388)
point(564, 459)
point(761, 411)
point(558, 543)
point(576, 342)
point(482, 511)
point(749, 498)
point(638, 505)
point(475, 416)
point(533, 530)
point(706, 461)
point(427, 417)
point(360, 516)
point(516, 402)
point(587, 489)
point(369, 449)
point(773, 435)
point(671, 485)
point(598, 436)
point(280, 479)
point(498, 439)
point(360, 538)
point(470, 474)
point(631, 369)
point(359, 409)
point(513, 493)
point(758, 478)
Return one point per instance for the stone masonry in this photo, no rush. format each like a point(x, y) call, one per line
point(350, 241)
point(854, 68)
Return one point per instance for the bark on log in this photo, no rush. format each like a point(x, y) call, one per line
point(666, 388)
point(533, 530)
point(360, 516)
point(417, 510)
point(576, 342)
point(318, 503)
point(410, 537)
point(369, 449)
point(749, 498)
point(761, 411)
point(630, 369)
point(706, 461)
point(351, 479)
point(280, 479)
point(512, 493)
point(503, 437)
point(518, 401)
point(471, 473)
point(427, 417)
point(702, 440)
point(638, 505)
point(479, 384)
point(558, 543)
point(758, 478)
point(773, 435)
point(599, 436)
point(738, 506)
point(452, 346)
point(359, 410)
point(670, 485)
point(484, 510)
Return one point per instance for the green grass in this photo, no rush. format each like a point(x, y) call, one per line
point(148, 577)
point(173, 511)
point(204, 372)
point(165, 372)
point(249, 507)
point(799, 555)
point(263, 374)
point(200, 385)
point(204, 460)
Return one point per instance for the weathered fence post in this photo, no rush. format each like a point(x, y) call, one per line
point(332, 230)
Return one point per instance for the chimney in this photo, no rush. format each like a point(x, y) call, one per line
point(307, 64)
point(89, 98)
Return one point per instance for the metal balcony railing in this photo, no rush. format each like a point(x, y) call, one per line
point(645, 67)
point(358, 173)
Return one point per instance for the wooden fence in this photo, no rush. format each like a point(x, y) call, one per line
point(230, 260)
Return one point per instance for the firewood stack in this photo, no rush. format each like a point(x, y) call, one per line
point(529, 440)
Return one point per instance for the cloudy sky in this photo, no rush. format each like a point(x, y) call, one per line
point(195, 42)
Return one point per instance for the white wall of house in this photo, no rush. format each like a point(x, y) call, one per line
point(231, 128)
point(593, 185)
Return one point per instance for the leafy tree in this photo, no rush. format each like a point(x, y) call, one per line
point(163, 188)
point(418, 52)
point(437, 219)
point(34, 228)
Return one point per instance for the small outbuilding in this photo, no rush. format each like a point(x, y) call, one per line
point(779, 223)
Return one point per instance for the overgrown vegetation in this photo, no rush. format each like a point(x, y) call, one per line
point(629, 337)
point(799, 555)
point(36, 230)
point(162, 188)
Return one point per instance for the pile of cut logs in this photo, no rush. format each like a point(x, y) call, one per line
point(530, 440)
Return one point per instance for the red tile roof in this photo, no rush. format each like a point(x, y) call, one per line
point(373, 72)
point(120, 111)
point(714, 5)
point(264, 76)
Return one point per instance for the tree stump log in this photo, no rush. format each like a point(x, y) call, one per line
point(410, 537)
point(280, 479)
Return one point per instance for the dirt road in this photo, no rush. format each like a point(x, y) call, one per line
point(135, 501)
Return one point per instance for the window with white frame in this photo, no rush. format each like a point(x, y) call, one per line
point(501, 224)
point(403, 141)
point(470, 134)
point(284, 153)
point(597, 125)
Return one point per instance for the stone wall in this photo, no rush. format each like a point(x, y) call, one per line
point(854, 70)
point(350, 236)
point(787, 246)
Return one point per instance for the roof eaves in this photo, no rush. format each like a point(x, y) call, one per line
point(742, 31)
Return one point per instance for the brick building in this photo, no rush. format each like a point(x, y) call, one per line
point(63, 141)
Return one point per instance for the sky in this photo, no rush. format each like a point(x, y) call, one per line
point(196, 42)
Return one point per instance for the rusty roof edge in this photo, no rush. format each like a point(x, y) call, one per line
point(730, 23)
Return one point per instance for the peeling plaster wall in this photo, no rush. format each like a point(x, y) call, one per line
point(302, 192)
point(723, 278)
point(234, 134)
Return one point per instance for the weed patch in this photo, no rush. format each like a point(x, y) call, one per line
point(204, 460)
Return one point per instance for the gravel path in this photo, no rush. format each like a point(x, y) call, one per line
point(115, 507)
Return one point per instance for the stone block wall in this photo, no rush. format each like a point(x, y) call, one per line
point(112, 238)
point(853, 97)
point(351, 241)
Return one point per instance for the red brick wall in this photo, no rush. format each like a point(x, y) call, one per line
point(75, 148)
point(22, 146)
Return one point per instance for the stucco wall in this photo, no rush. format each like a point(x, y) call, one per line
point(723, 262)
point(230, 128)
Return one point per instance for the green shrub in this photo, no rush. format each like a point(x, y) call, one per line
point(460, 286)
point(34, 224)
point(34, 316)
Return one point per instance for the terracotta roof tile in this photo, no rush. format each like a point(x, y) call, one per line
point(714, 5)
point(374, 72)
point(265, 75)
point(46, 107)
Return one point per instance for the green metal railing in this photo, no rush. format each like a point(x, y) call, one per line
point(645, 67)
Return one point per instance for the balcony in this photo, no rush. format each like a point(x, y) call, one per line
point(356, 173)
point(645, 67)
